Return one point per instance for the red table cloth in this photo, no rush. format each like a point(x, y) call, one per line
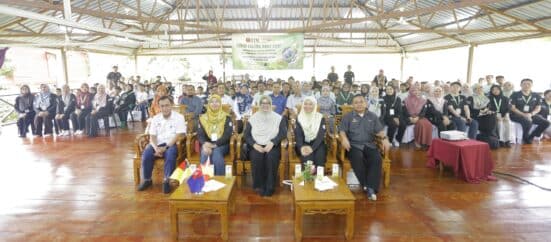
point(470, 159)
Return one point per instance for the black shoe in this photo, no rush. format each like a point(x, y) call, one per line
point(145, 185)
point(166, 187)
point(268, 193)
point(508, 144)
point(501, 144)
point(528, 141)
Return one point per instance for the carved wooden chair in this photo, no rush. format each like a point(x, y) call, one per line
point(378, 141)
point(193, 152)
point(142, 140)
point(244, 166)
point(330, 141)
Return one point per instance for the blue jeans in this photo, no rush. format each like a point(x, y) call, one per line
point(217, 158)
point(148, 159)
point(462, 126)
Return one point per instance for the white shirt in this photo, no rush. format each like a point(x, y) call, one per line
point(141, 97)
point(258, 95)
point(228, 101)
point(293, 101)
point(167, 128)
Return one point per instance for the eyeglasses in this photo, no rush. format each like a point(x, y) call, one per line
point(266, 103)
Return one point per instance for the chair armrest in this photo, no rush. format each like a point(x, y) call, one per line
point(239, 142)
point(190, 138)
point(181, 145)
point(232, 147)
point(141, 142)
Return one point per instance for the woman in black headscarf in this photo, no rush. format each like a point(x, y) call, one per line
point(500, 105)
point(393, 108)
point(25, 111)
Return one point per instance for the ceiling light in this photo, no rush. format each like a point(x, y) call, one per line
point(263, 3)
point(401, 9)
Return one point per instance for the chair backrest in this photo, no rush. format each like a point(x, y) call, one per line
point(346, 108)
point(255, 108)
point(180, 108)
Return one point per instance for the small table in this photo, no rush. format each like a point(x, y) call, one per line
point(217, 202)
point(309, 201)
point(471, 160)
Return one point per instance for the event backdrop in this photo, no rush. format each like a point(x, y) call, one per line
point(267, 51)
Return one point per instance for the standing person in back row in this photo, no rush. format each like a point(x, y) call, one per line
point(114, 77)
point(333, 76)
point(349, 75)
point(525, 106)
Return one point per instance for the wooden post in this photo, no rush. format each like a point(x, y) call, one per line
point(135, 64)
point(314, 62)
point(64, 66)
point(470, 63)
point(224, 67)
point(402, 67)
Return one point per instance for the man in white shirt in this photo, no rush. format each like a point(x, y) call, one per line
point(227, 100)
point(261, 92)
point(489, 83)
point(141, 101)
point(166, 129)
point(294, 99)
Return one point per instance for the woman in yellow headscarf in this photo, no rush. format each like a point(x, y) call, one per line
point(214, 133)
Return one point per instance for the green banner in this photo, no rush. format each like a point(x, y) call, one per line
point(267, 51)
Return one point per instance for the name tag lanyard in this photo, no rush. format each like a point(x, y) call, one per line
point(526, 101)
point(498, 104)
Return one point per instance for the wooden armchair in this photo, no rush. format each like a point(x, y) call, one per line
point(141, 142)
point(194, 156)
point(330, 141)
point(378, 141)
point(244, 166)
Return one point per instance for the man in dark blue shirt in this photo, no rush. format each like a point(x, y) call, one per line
point(278, 100)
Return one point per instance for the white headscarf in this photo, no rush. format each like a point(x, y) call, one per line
point(264, 125)
point(310, 122)
point(438, 102)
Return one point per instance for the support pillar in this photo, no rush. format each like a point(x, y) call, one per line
point(470, 63)
point(64, 66)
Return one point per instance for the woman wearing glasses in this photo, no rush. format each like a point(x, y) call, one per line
point(264, 133)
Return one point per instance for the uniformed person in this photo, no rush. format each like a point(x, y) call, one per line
point(459, 112)
point(357, 131)
point(525, 106)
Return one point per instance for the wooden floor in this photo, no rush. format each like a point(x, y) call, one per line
point(73, 189)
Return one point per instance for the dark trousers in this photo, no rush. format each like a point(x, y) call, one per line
point(148, 160)
point(79, 121)
point(92, 123)
point(24, 122)
point(46, 121)
point(143, 110)
point(439, 123)
point(462, 126)
point(537, 119)
point(401, 130)
point(318, 156)
point(392, 127)
point(264, 167)
point(123, 114)
point(63, 123)
point(367, 166)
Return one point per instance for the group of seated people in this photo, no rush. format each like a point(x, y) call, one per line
point(82, 108)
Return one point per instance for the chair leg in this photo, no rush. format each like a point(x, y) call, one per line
point(386, 169)
point(239, 172)
point(136, 171)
